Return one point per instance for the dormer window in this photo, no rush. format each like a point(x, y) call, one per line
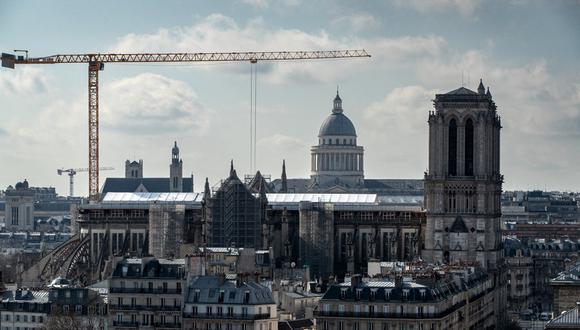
point(343, 293)
point(387, 294)
point(196, 295)
point(373, 294)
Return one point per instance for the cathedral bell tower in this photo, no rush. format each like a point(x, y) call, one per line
point(175, 171)
point(463, 185)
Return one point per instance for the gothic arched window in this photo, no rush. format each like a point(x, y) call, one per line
point(452, 159)
point(469, 147)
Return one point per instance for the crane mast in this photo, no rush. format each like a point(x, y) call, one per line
point(96, 63)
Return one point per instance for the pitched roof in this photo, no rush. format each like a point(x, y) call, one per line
point(208, 290)
point(462, 91)
point(568, 320)
point(150, 184)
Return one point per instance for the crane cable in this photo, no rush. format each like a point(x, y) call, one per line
point(253, 115)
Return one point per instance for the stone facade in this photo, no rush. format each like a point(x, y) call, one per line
point(19, 208)
point(337, 160)
point(463, 184)
point(134, 169)
point(146, 294)
point(175, 171)
point(566, 290)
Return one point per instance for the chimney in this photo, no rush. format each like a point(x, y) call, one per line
point(398, 281)
point(222, 278)
point(355, 281)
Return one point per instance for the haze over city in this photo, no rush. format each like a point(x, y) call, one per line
point(526, 52)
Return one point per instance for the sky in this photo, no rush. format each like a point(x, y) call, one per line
point(527, 52)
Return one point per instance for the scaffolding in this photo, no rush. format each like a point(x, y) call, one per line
point(166, 224)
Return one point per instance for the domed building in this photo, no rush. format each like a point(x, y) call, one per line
point(337, 164)
point(337, 160)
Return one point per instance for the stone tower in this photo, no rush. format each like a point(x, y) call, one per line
point(134, 169)
point(175, 170)
point(463, 185)
point(337, 160)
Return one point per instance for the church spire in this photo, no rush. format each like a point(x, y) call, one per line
point(488, 94)
point(284, 187)
point(232, 170)
point(206, 191)
point(337, 108)
point(480, 88)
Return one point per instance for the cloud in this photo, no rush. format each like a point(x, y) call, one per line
point(357, 22)
point(24, 80)
point(153, 104)
point(465, 7)
point(216, 30)
point(282, 142)
point(262, 4)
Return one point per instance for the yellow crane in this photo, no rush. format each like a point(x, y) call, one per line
point(96, 63)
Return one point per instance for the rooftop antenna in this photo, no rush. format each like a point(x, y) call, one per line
point(468, 79)
point(461, 78)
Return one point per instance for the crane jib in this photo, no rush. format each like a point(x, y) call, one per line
point(8, 60)
point(96, 63)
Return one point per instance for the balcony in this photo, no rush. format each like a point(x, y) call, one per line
point(145, 290)
point(117, 307)
point(127, 324)
point(215, 316)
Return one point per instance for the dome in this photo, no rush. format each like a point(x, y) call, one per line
point(337, 124)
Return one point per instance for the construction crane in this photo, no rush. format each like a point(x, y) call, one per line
point(73, 171)
point(96, 63)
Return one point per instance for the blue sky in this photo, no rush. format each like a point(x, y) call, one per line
point(526, 51)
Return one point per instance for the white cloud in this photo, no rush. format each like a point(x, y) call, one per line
point(216, 30)
point(153, 104)
point(256, 3)
point(24, 80)
point(281, 142)
point(357, 22)
point(464, 7)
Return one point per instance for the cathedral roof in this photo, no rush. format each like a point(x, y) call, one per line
point(462, 91)
point(150, 184)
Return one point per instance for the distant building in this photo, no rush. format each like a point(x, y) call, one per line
point(463, 300)
point(42, 309)
point(566, 290)
point(19, 209)
point(135, 182)
point(569, 320)
point(212, 302)
point(146, 293)
point(337, 164)
point(134, 169)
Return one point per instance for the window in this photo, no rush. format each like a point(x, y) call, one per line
point(452, 149)
point(244, 311)
point(230, 311)
point(208, 310)
point(469, 147)
point(79, 308)
point(220, 311)
point(15, 216)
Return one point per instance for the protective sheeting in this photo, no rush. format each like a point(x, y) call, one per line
point(153, 197)
point(323, 198)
